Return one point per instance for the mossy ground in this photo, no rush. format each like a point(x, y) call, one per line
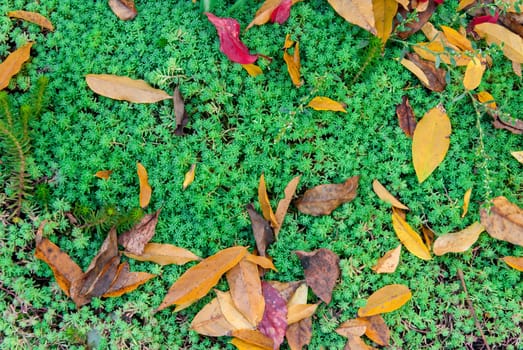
point(241, 127)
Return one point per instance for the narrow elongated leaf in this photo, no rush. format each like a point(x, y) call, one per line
point(124, 88)
point(473, 73)
point(164, 254)
point(189, 177)
point(358, 12)
point(283, 205)
point(321, 103)
point(182, 118)
point(386, 196)
point(466, 201)
point(408, 237)
point(274, 322)
point(386, 299)
point(384, 13)
point(388, 262)
point(430, 142)
point(137, 237)
point(406, 117)
point(431, 77)
point(321, 268)
point(13, 63)
point(32, 17)
point(323, 199)
point(211, 321)
point(145, 188)
point(514, 262)
point(124, 9)
point(511, 43)
point(263, 233)
point(293, 62)
point(231, 313)
point(417, 71)
point(265, 204)
point(504, 221)
point(458, 242)
point(299, 334)
point(126, 281)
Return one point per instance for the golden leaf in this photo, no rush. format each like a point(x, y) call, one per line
point(358, 12)
point(384, 12)
point(126, 281)
point(293, 62)
point(164, 254)
point(458, 242)
point(32, 17)
point(265, 204)
point(473, 73)
point(321, 103)
point(298, 312)
point(456, 38)
point(511, 43)
point(145, 188)
point(388, 262)
point(486, 97)
point(466, 201)
point(464, 3)
point(124, 88)
point(252, 69)
point(261, 261)
point(253, 338)
point(386, 196)
point(417, 71)
point(431, 51)
point(514, 262)
point(189, 177)
point(283, 205)
point(386, 299)
point(408, 237)
point(13, 63)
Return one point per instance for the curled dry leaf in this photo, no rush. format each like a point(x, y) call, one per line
point(189, 177)
point(388, 262)
point(274, 322)
point(357, 12)
point(103, 174)
point(124, 88)
point(124, 9)
point(252, 69)
point(386, 299)
point(211, 321)
point(458, 242)
point(254, 338)
point(164, 254)
point(323, 199)
point(32, 17)
point(180, 114)
point(466, 202)
point(511, 43)
point(321, 103)
point(263, 233)
point(428, 235)
point(504, 221)
point(514, 262)
point(321, 269)
point(408, 237)
point(406, 117)
point(293, 61)
point(283, 205)
point(13, 63)
point(137, 237)
point(386, 196)
point(431, 77)
point(126, 281)
point(231, 313)
point(299, 334)
point(384, 13)
point(145, 188)
point(265, 204)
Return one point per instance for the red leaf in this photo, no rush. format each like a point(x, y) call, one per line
point(482, 19)
point(274, 321)
point(282, 12)
point(230, 44)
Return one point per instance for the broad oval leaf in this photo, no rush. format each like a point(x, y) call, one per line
point(125, 88)
point(352, 328)
point(145, 188)
point(322, 103)
point(299, 334)
point(408, 237)
point(473, 73)
point(511, 43)
point(13, 63)
point(211, 321)
point(32, 17)
point(514, 262)
point(458, 242)
point(323, 199)
point(164, 254)
point(386, 299)
point(386, 196)
point(377, 329)
point(321, 268)
point(252, 69)
point(504, 221)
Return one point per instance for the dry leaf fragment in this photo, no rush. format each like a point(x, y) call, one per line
point(231, 313)
point(286, 289)
point(180, 114)
point(254, 337)
point(321, 103)
point(263, 233)
point(299, 334)
point(352, 328)
point(473, 73)
point(386, 196)
point(145, 188)
point(408, 237)
point(103, 174)
point(384, 13)
point(274, 322)
point(458, 242)
point(518, 155)
point(466, 202)
point(323, 199)
point(299, 296)
point(406, 117)
point(376, 329)
point(283, 205)
point(388, 262)
point(511, 43)
point(211, 321)
point(137, 237)
point(32, 17)
point(124, 9)
point(126, 281)
point(514, 262)
point(252, 69)
point(358, 12)
point(516, 68)
point(504, 221)
point(13, 63)
point(293, 62)
point(386, 299)
point(124, 88)
point(321, 268)
point(189, 177)
point(265, 204)
point(431, 77)
point(164, 254)
point(199, 279)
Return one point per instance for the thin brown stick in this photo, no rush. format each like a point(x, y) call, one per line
point(471, 308)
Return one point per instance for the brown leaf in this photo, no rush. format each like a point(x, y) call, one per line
point(458, 242)
point(376, 329)
point(210, 321)
point(145, 188)
point(124, 9)
point(126, 281)
point(283, 205)
point(262, 230)
point(231, 313)
point(428, 235)
point(386, 299)
point(321, 268)
point(388, 262)
point(254, 337)
point(124, 88)
point(386, 196)
point(352, 328)
point(13, 63)
point(164, 254)
point(435, 77)
point(356, 343)
point(406, 117)
point(323, 199)
point(504, 221)
point(299, 334)
point(514, 262)
point(189, 177)
point(416, 24)
point(182, 118)
point(265, 204)
point(137, 237)
point(103, 174)
point(32, 17)
point(274, 322)
point(199, 279)
point(293, 63)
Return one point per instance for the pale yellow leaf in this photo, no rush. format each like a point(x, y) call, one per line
point(386, 196)
point(145, 188)
point(511, 43)
point(518, 155)
point(386, 299)
point(298, 312)
point(514, 262)
point(473, 73)
point(164, 254)
point(411, 66)
point(358, 12)
point(210, 321)
point(32, 17)
point(189, 177)
point(13, 63)
point(464, 3)
point(466, 201)
point(456, 38)
point(231, 313)
point(252, 69)
point(299, 296)
point(124, 88)
point(408, 237)
point(458, 242)
point(388, 262)
point(384, 13)
point(321, 103)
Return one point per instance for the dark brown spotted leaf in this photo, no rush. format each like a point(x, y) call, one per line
point(274, 321)
point(263, 233)
point(406, 117)
point(137, 237)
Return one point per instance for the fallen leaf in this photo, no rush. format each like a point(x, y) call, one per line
point(124, 88)
point(263, 233)
point(406, 117)
point(274, 322)
point(299, 334)
point(199, 279)
point(428, 235)
point(456, 38)
point(430, 142)
point(473, 73)
point(243, 345)
point(254, 337)
point(504, 221)
point(386, 196)
point(386, 299)
point(465, 3)
point(180, 114)
point(486, 98)
point(431, 77)
point(267, 12)
point(126, 281)
point(137, 237)
point(514, 262)
point(189, 177)
point(298, 312)
point(518, 155)
point(286, 289)
point(123, 9)
point(321, 103)
point(282, 12)
point(13, 63)
point(299, 297)
point(103, 174)
point(435, 51)
point(458, 242)
point(500, 122)
point(384, 13)
point(283, 205)
point(419, 19)
point(32, 17)
point(323, 199)
point(321, 269)
point(252, 69)
point(231, 313)
point(408, 237)
point(466, 201)
point(516, 68)
point(145, 188)
point(261, 261)
point(210, 321)
point(265, 204)
point(229, 33)
point(510, 43)
point(356, 343)
point(358, 12)
point(164, 254)
point(293, 63)
point(388, 262)
point(376, 329)
point(352, 328)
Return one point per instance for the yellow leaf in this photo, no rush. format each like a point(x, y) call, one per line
point(458, 242)
point(145, 188)
point(32, 17)
point(431, 51)
point(298, 312)
point(189, 177)
point(404, 3)
point(13, 63)
point(466, 201)
point(321, 103)
point(358, 12)
point(124, 88)
point(464, 3)
point(253, 338)
point(300, 296)
point(473, 73)
point(386, 299)
point(265, 204)
point(252, 69)
point(244, 345)
point(164, 254)
point(231, 313)
point(456, 38)
point(410, 238)
point(199, 279)
point(514, 262)
point(430, 142)
point(518, 155)
point(103, 174)
point(486, 97)
point(386, 196)
point(411, 66)
point(511, 43)
point(210, 321)
point(388, 262)
point(384, 12)
point(283, 205)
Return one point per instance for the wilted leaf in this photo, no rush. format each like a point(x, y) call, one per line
point(298, 312)
point(124, 9)
point(323, 199)
point(456, 38)
point(388, 262)
point(164, 254)
point(321, 268)
point(358, 12)
point(408, 237)
point(126, 281)
point(352, 328)
point(511, 43)
point(386, 299)
point(518, 155)
point(13, 63)
point(265, 204)
point(376, 330)
point(199, 279)
point(514, 262)
point(504, 221)
point(210, 321)
point(263, 233)
point(386, 196)
point(431, 77)
point(293, 63)
point(274, 322)
point(180, 114)
point(384, 13)
point(321, 103)
point(417, 22)
point(299, 334)
point(283, 205)
point(473, 73)
point(466, 201)
point(231, 313)
point(189, 177)
point(254, 337)
point(32, 17)
point(252, 69)
point(137, 237)
point(261, 261)
point(229, 33)
point(430, 142)
point(124, 88)
point(145, 188)
point(458, 242)
point(103, 174)
point(406, 117)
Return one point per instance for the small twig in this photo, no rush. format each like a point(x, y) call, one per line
point(471, 308)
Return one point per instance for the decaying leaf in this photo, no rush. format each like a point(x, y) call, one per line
point(514, 262)
point(358, 12)
point(199, 279)
point(299, 334)
point(274, 322)
point(124, 9)
point(386, 299)
point(164, 254)
point(321, 269)
point(473, 73)
point(32, 17)
point(211, 321)
point(323, 199)
point(511, 43)
point(406, 117)
point(189, 176)
point(283, 205)
point(430, 142)
point(286, 289)
point(431, 77)
point(180, 114)
point(255, 339)
point(13, 63)
point(466, 202)
point(376, 329)
point(252, 69)
point(504, 221)
point(103, 174)
point(388, 262)
point(518, 155)
point(458, 242)
point(408, 237)
point(126, 281)
point(321, 103)
point(293, 61)
point(384, 13)
point(137, 237)
point(124, 88)
point(386, 196)
point(145, 188)
point(299, 297)
point(265, 204)
point(231, 313)
point(263, 233)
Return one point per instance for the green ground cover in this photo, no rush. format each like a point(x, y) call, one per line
point(239, 128)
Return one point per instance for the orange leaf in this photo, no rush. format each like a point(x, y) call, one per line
point(252, 69)
point(386, 299)
point(514, 262)
point(124, 88)
point(296, 313)
point(263, 14)
point(386, 196)
point(486, 97)
point(210, 321)
point(431, 51)
point(377, 330)
point(261, 261)
point(265, 204)
point(244, 345)
point(321, 103)
point(358, 12)
point(293, 63)
point(283, 205)
point(32, 17)
point(126, 281)
point(410, 238)
point(456, 38)
point(458, 242)
point(384, 12)
point(103, 174)
point(13, 63)
point(254, 337)
point(145, 188)
point(189, 177)
point(466, 201)
point(164, 254)
point(388, 262)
